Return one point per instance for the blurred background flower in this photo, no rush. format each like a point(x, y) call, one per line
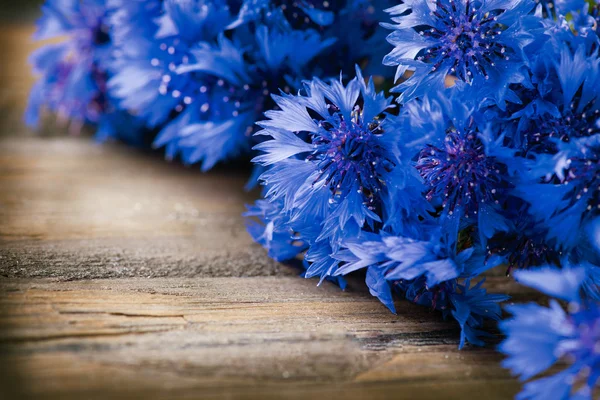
point(193, 75)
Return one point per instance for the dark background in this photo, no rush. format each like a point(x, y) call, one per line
point(16, 26)
point(17, 19)
point(19, 10)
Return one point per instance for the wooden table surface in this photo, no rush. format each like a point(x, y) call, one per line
point(123, 276)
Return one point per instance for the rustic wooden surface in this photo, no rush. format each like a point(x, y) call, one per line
point(124, 276)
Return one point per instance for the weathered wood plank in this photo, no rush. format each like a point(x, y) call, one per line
point(229, 332)
point(74, 205)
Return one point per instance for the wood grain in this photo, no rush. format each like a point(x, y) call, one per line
point(123, 276)
point(127, 276)
point(255, 337)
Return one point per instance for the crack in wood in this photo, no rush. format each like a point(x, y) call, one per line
point(82, 335)
point(122, 314)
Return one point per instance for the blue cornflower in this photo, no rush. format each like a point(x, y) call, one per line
point(339, 150)
point(335, 164)
point(72, 73)
point(477, 42)
point(461, 160)
point(153, 39)
point(238, 77)
point(538, 337)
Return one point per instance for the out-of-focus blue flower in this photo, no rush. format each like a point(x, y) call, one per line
point(481, 43)
point(153, 39)
point(239, 77)
point(538, 337)
point(555, 9)
point(161, 37)
point(359, 39)
point(72, 73)
point(205, 89)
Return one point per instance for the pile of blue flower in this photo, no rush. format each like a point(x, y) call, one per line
point(485, 153)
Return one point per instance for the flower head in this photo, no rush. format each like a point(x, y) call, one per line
point(461, 160)
point(479, 42)
point(73, 72)
point(153, 39)
point(335, 164)
point(335, 142)
point(460, 172)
